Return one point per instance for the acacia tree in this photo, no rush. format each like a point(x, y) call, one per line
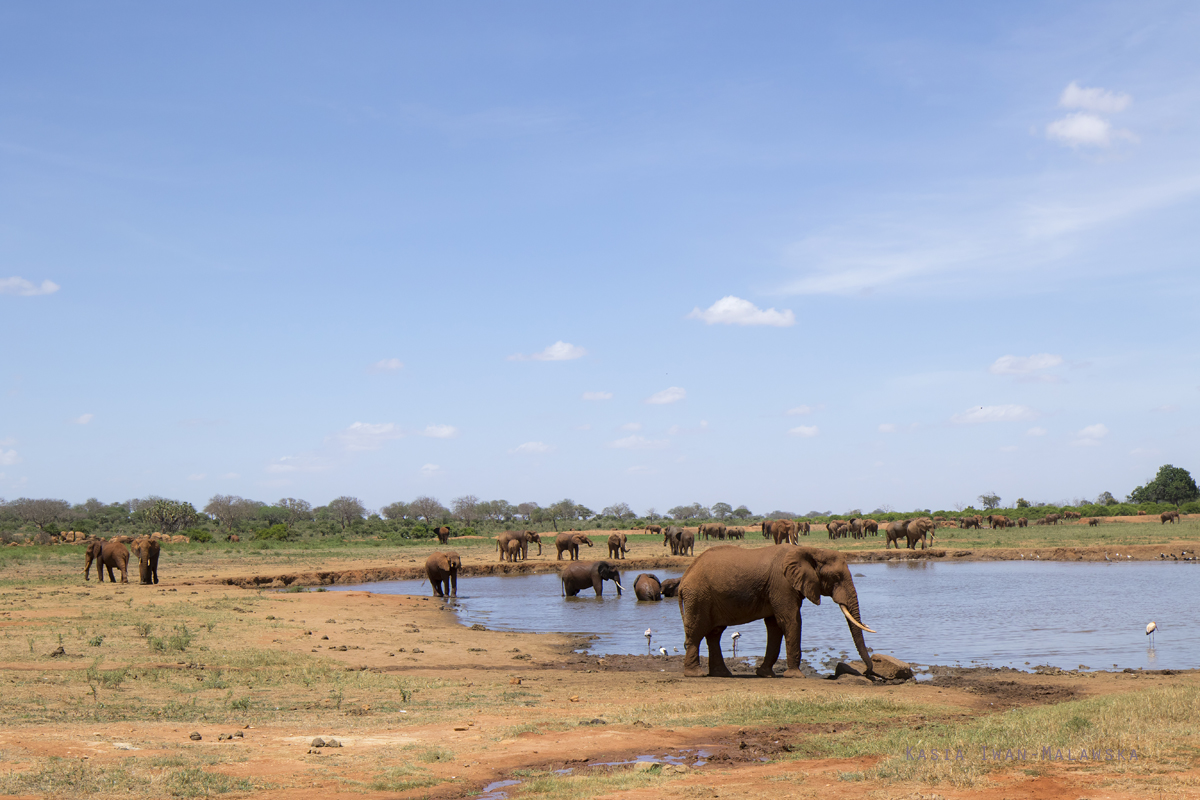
point(722, 510)
point(990, 501)
point(395, 511)
point(619, 511)
point(528, 510)
point(741, 512)
point(428, 509)
point(465, 509)
point(40, 511)
point(346, 509)
point(169, 516)
point(295, 510)
point(1170, 485)
point(229, 509)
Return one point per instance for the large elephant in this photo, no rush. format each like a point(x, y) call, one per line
point(570, 542)
point(107, 555)
point(804, 527)
point(783, 531)
point(653, 529)
point(735, 533)
point(998, 521)
point(579, 576)
point(856, 528)
point(1169, 516)
point(913, 530)
point(671, 536)
point(870, 526)
point(524, 537)
point(670, 587)
point(647, 587)
point(618, 545)
point(442, 569)
point(712, 530)
point(732, 586)
point(766, 528)
point(443, 534)
point(687, 543)
point(1022, 522)
point(147, 550)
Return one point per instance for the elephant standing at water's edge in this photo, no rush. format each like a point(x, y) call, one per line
point(732, 586)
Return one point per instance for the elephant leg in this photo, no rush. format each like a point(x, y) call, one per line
point(598, 585)
point(454, 584)
point(771, 655)
point(791, 636)
point(716, 661)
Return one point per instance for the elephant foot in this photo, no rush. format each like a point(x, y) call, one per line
point(792, 673)
point(693, 672)
point(721, 672)
point(764, 672)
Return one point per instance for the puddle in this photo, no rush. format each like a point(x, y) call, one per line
point(492, 790)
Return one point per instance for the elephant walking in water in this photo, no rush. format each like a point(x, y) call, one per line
point(732, 586)
point(442, 570)
point(647, 587)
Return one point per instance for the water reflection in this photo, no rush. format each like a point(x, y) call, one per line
point(1015, 613)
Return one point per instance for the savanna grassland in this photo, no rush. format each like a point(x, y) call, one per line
point(104, 685)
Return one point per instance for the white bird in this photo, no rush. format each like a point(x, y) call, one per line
point(736, 635)
point(676, 649)
point(1150, 629)
point(1106, 558)
point(662, 650)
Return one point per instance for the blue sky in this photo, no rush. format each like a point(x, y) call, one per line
point(775, 254)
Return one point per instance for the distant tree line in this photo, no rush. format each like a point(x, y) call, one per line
point(291, 518)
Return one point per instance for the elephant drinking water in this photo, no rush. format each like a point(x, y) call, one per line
point(732, 586)
point(580, 575)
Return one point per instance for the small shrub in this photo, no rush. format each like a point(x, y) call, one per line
point(143, 629)
point(197, 535)
point(96, 641)
point(275, 533)
point(436, 755)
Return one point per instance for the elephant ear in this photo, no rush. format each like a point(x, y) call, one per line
point(800, 569)
point(443, 562)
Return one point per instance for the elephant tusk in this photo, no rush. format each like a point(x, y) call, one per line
point(853, 621)
point(619, 586)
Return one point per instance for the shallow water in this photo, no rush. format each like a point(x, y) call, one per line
point(1012, 613)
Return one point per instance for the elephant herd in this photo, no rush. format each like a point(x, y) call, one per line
point(114, 555)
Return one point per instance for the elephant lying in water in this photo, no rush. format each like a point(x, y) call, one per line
point(580, 575)
point(647, 587)
point(732, 586)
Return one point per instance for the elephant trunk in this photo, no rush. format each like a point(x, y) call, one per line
point(849, 606)
point(619, 586)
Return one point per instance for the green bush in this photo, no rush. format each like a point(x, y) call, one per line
point(275, 533)
point(197, 535)
point(1190, 508)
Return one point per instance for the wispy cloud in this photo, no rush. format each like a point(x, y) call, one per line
point(559, 351)
point(597, 395)
point(631, 426)
point(1024, 365)
point(804, 431)
point(369, 435)
point(670, 395)
point(677, 430)
point(24, 288)
point(1091, 435)
point(301, 463)
point(8, 458)
point(197, 476)
point(1086, 128)
point(636, 442)
point(798, 411)
point(386, 365)
point(429, 470)
point(730, 310)
point(229, 476)
point(532, 448)
point(1004, 413)
point(1036, 432)
point(440, 431)
point(887, 427)
point(83, 419)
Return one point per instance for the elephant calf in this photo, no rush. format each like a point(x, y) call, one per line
point(618, 545)
point(581, 575)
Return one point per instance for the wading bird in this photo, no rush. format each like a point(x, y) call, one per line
point(662, 651)
point(736, 635)
point(1150, 629)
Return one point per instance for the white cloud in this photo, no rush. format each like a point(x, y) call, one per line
point(636, 442)
point(671, 395)
point(369, 435)
point(587, 426)
point(559, 351)
point(429, 470)
point(798, 411)
point(83, 419)
point(228, 476)
point(676, 430)
point(1086, 130)
point(732, 310)
point(440, 431)
point(804, 431)
point(1005, 413)
point(532, 448)
point(305, 463)
point(386, 365)
point(9, 457)
point(197, 476)
point(1024, 365)
point(1170, 408)
point(597, 395)
point(24, 288)
point(1036, 432)
point(631, 426)
point(1008, 448)
point(1094, 99)
point(1144, 451)
point(1091, 435)
point(887, 427)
